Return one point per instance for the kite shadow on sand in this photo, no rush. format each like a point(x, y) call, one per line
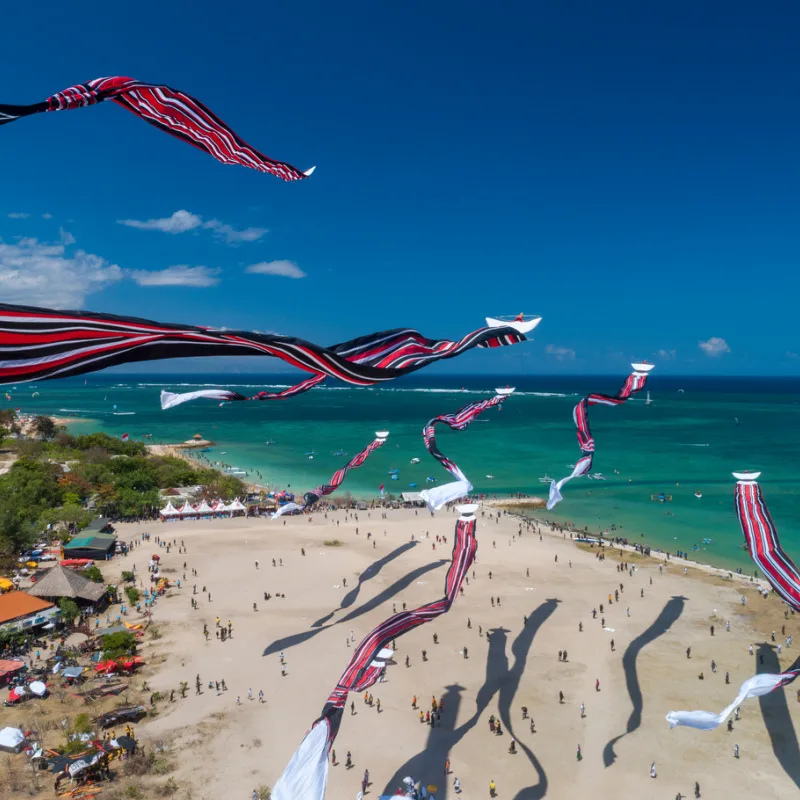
point(778, 719)
point(500, 681)
point(387, 594)
point(669, 615)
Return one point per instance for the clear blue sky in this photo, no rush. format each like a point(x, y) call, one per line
point(628, 170)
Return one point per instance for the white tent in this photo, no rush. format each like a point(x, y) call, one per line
point(169, 510)
point(12, 740)
point(204, 509)
point(220, 507)
point(187, 510)
point(236, 505)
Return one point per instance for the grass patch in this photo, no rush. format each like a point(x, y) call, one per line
point(332, 543)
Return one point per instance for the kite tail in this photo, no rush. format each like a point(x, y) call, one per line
point(756, 686)
point(765, 549)
point(441, 495)
point(171, 399)
point(309, 498)
point(39, 344)
point(307, 773)
point(169, 110)
point(762, 539)
point(635, 382)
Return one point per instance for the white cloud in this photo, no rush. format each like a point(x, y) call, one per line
point(66, 237)
point(180, 222)
point(43, 273)
point(183, 221)
point(178, 275)
point(714, 347)
point(18, 215)
point(231, 235)
point(561, 353)
point(287, 269)
point(667, 355)
point(47, 216)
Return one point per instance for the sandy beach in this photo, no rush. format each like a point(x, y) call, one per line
point(229, 749)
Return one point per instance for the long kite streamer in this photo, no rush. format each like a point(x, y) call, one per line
point(37, 344)
point(307, 773)
point(309, 498)
point(170, 110)
point(441, 495)
point(634, 383)
point(765, 549)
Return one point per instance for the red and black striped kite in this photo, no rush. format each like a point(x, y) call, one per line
point(37, 344)
point(170, 110)
point(634, 383)
point(307, 773)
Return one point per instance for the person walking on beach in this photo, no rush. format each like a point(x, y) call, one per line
point(578, 754)
point(597, 685)
point(736, 751)
point(653, 773)
point(583, 711)
point(561, 698)
point(492, 789)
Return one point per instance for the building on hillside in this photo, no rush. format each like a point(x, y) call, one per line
point(99, 525)
point(63, 582)
point(20, 612)
point(99, 547)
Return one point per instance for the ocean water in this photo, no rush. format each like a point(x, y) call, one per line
point(683, 442)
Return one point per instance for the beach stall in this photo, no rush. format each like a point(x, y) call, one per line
point(169, 512)
point(187, 511)
point(221, 509)
point(204, 510)
point(237, 507)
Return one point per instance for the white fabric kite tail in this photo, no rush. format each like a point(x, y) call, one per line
point(285, 509)
point(171, 399)
point(440, 496)
point(306, 775)
point(753, 687)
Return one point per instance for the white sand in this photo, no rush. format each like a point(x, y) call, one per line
point(228, 749)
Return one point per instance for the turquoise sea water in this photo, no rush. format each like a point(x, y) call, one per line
point(681, 443)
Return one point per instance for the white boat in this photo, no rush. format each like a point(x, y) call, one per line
point(648, 401)
point(490, 477)
point(415, 461)
point(545, 479)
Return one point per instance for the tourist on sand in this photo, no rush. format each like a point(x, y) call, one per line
point(456, 785)
point(533, 726)
point(736, 751)
point(653, 770)
point(256, 563)
point(492, 789)
point(583, 710)
point(578, 754)
point(561, 698)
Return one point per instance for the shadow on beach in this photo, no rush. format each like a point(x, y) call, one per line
point(669, 614)
point(428, 764)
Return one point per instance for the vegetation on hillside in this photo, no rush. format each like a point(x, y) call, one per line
point(66, 481)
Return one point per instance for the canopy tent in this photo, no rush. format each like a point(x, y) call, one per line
point(220, 507)
point(169, 510)
point(204, 509)
point(236, 505)
point(63, 582)
point(6, 585)
point(12, 740)
point(187, 510)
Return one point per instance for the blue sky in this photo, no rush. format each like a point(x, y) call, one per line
point(629, 172)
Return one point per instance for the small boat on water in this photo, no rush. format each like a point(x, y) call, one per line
point(430, 479)
point(698, 495)
point(270, 441)
point(415, 461)
point(648, 401)
point(545, 479)
point(490, 477)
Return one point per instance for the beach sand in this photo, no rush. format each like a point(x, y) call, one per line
point(225, 749)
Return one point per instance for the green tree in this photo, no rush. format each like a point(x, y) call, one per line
point(118, 645)
point(45, 427)
point(69, 610)
point(132, 593)
point(93, 574)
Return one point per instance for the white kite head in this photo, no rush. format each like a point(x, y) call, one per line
point(747, 477)
point(467, 511)
point(522, 323)
point(642, 368)
point(381, 435)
